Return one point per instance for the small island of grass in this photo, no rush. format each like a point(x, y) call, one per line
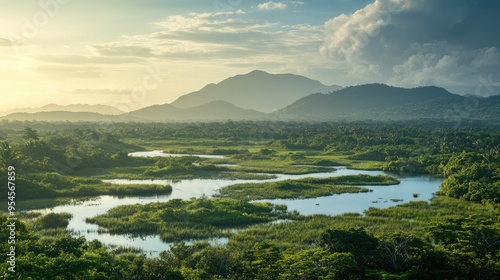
point(178, 220)
point(305, 188)
point(52, 185)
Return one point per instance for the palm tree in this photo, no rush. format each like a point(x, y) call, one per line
point(30, 133)
point(8, 156)
point(492, 155)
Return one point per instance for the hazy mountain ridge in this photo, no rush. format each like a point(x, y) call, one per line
point(60, 116)
point(382, 102)
point(362, 102)
point(100, 109)
point(256, 90)
point(213, 111)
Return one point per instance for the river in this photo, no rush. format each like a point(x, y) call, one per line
point(380, 197)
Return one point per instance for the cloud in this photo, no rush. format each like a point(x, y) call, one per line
point(101, 91)
point(271, 6)
point(80, 59)
point(193, 36)
point(69, 72)
point(118, 50)
point(485, 57)
point(443, 42)
point(4, 42)
point(224, 38)
point(429, 68)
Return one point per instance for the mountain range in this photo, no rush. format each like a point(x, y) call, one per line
point(214, 110)
point(253, 96)
point(374, 102)
point(100, 109)
point(256, 90)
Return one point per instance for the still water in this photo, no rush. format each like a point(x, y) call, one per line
point(379, 197)
point(163, 154)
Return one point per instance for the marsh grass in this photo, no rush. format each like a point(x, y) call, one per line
point(178, 220)
point(304, 188)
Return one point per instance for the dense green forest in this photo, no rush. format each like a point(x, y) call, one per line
point(454, 236)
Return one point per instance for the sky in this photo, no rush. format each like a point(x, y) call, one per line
point(131, 54)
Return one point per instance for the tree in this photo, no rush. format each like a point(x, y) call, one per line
point(8, 156)
point(30, 134)
point(216, 261)
point(157, 269)
point(400, 252)
point(318, 263)
point(363, 246)
point(260, 262)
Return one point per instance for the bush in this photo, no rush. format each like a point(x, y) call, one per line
point(55, 220)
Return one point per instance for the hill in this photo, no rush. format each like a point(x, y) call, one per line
point(59, 116)
point(100, 109)
point(377, 102)
point(256, 90)
point(382, 102)
point(212, 111)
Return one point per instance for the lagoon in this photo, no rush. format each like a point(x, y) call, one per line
point(380, 197)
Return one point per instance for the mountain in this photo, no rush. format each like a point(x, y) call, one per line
point(59, 116)
point(256, 90)
point(100, 109)
point(363, 102)
point(212, 111)
point(382, 102)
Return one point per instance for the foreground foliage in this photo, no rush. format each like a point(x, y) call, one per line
point(455, 236)
point(444, 239)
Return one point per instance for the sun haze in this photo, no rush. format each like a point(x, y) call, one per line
point(131, 54)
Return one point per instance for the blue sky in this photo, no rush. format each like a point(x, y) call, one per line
point(132, 54)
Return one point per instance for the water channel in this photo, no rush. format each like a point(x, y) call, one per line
point(380, 197)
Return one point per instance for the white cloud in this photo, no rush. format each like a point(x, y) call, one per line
point(349, 35)
point(80, 59)
point(271, 6)
point(410, 43)
point(4, 42)
point(485, 57)
point(69, 72)
point(427, 68)
point(101, 91)
point(231, 39)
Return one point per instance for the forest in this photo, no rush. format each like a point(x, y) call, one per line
point(455, 235)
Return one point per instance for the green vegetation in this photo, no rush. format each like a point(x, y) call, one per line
point(55, 185)
point(195, 219)
point(284, 189)
point(53, 220)
point(473, 176)
point(444, 239)
point(304, 188)
point(455, 236)
point(65, 257)
point(283, 164)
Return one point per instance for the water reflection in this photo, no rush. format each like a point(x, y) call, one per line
point(163, 154)
point(380, 197)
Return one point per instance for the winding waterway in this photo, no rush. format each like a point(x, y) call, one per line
point(380, 197)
